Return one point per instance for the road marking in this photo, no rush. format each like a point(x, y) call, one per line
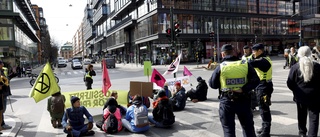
point(284, 94)
point(281, 88)
point(63, 73)
point(69, 73)
point(283, 120)
point(75, 72)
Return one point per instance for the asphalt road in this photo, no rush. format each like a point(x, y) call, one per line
point(198, 119)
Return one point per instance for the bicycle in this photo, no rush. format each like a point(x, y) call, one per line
point(35, 76)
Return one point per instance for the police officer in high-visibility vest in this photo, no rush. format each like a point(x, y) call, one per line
point(88, 76)
point(263, 66)
point(235, 79)
point(246, 53)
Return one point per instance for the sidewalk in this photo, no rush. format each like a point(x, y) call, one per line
point(16, 124)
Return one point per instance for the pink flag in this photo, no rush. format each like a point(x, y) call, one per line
point(186, 72)
point(106, 83)
point(173, 67)
point(158, 78)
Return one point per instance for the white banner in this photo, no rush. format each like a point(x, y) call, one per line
point(185, 82)
point(173, 67)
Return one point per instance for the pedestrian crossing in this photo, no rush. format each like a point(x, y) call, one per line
point(202, 119)
point(81, 72)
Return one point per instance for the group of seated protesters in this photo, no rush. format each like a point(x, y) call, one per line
point(135, 118)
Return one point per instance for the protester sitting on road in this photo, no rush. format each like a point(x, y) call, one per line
point(303, 82)
point(167, 92)
point(112, 119)
point(136, 119)
point(113, 98)
point(179, 97)
point(162, 113)
point(88, 76)
point(73, 121)
point(56, 108)
point(200, 93)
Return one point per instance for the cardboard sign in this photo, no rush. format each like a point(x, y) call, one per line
point(142, 88)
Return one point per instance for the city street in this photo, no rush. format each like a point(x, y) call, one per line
point(198, 119)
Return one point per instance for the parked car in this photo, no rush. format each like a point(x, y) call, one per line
point(76, 64)
point(86, 61)
point(111, 63)
point(62, 63)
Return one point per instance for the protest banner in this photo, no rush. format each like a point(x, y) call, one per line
point(185, 81)
point(94, 98)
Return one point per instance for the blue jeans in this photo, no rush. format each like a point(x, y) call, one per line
point(77, 131)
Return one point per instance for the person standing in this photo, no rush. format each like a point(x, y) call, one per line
point(263, 66)
point(246, 53)
point(88, 77)
point(73, 120)
point(56, 108)
point(235, 79)
point(286, 57)
point(293, 58)
point(303, 82)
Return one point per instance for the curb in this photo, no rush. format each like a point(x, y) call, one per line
point(17, 127)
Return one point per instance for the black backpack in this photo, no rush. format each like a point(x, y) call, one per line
point(111, 124)
point(57, 104)
point(165, 110)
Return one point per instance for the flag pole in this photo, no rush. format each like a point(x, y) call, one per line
point(148, 75)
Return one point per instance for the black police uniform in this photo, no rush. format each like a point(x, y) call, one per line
point(240, 106)
point(264, 88)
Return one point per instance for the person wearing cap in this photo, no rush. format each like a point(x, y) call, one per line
point(263, 66)
point(235, 79)
point(157, 112)
point(200, 93)
point(73, 121)
point(246, 53)
point(129, 122)
point(179, 97)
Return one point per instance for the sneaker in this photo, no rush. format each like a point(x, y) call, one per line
point(6, 127)
point(90, 133)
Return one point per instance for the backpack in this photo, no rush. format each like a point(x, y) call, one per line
point(57, 104)
point(111, 124)
point(140, 116)
point(165, 110)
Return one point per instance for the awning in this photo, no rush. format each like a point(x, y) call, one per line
point(116, 47)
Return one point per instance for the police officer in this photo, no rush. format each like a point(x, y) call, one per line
point(263, 66)
point(88, 76)
point(235, 79)
point(246, 53)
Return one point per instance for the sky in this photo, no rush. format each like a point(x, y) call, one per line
point(63, 20)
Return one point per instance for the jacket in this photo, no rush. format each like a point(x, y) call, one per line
point(91, 73)
point(179, 99)
point(117, 114)
point(202, 90)
point(130, 117)
point(75, 117)
point(165, 101)
point(304, 92)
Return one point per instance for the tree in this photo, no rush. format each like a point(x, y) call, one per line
point(50, 48)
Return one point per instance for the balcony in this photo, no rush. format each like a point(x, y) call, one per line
point(21, 23)
point(89, 34)
point(124, 10)
point(95, 3)
point(127, 22)
point(27, 11)
point(101, 14)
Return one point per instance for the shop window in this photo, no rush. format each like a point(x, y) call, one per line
point(6, 33)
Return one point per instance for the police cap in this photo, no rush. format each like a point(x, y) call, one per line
point(257, 47)
point(245, 47)
point(226, 47)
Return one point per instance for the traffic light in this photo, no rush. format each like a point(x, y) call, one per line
point(177, 29)
point(211, 34)
point(168, 33)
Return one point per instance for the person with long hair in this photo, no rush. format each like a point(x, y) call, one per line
point(302, 81)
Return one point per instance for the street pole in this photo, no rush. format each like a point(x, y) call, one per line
point(218, 42)
point(172, 31)
point(300, 37)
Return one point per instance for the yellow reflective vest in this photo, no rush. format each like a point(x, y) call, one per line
point(88, 75)
point(233, 75)
point(5, 71)
point(246, 58)
point(265, 75)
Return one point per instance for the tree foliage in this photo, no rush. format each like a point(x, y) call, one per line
point(50, 48)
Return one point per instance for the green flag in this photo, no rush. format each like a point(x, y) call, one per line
point(147, 68)
point(45, 85)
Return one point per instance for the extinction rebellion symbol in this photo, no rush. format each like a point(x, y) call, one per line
point(44, 84)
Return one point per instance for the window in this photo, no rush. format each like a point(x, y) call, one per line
point(5, 21)
point(6, 33)
point(5, 4)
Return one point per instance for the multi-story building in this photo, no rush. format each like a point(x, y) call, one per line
point(66, 51)
point(89, 31)
point(18, 26)
point(78, 42)
point(135, 30)
point(310, 11)
point(40, 33)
